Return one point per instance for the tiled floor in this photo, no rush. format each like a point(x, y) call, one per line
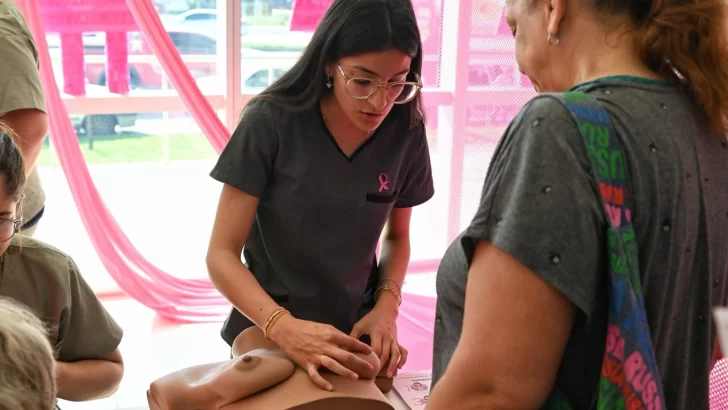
point(151, 349)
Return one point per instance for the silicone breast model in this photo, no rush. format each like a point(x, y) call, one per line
point(262, 377)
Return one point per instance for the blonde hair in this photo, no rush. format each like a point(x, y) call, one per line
point(27, 365)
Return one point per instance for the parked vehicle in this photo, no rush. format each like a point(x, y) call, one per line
point(148, 73)
point(200, 20)
point(255, 75)
point(100, 124)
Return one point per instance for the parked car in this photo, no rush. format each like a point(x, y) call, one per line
point(148, 74)
point(199, 20)
point(101, 124)
point(256, 74)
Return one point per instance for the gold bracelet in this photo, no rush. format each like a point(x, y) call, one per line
point(275, 313)
point(272, 322)
point(396, 285)
point(391, 290)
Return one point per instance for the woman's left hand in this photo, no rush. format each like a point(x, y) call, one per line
point(381, 326)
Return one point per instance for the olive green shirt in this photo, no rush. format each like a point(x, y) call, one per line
point(21, 89)
point(49, 283)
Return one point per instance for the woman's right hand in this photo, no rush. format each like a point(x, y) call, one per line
point(313, 345)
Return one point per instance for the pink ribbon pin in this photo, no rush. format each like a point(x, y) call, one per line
point(383, 182)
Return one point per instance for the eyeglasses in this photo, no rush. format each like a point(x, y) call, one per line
point(399, 92)
point(8, 228)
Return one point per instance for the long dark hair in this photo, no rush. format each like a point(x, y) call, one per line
point(12, 166)
point(349, 28)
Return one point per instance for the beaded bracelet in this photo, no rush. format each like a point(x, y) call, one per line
point(391, 290)
point(272, 318)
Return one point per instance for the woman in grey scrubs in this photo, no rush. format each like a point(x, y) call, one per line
point(320, 163)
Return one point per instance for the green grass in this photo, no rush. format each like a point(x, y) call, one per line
point(278, 20)
point(262, 46)
point(132, 148)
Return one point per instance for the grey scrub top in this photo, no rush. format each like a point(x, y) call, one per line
point(313, 239)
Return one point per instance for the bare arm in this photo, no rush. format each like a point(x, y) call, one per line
point(234, 218)
point(90, 379)
point(31, 128)
point(515, 330)
point(395, 254)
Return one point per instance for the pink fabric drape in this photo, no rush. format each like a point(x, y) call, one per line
point(158, 39)
point(171, 297)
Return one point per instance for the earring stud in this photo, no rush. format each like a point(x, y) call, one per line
point(553, 39)
point(328, 82)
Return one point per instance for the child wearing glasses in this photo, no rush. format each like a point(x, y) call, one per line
point(83, 335)
point(323, 162)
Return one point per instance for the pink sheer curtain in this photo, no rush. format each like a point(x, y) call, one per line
point(171, 297)
point(158, 39)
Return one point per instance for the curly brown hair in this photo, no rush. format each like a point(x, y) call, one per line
point(684, 40)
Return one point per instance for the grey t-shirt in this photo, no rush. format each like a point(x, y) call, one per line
point(678, 178)
point(313, 240)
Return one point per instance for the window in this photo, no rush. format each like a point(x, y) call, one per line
point(201, 17)
point(192, 43)
point(277, 73)
point(258, 80)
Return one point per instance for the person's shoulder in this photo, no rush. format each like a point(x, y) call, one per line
point(271, 108)
point(260, 120)
point(544, 116)
point(543, 106)
point(542, 133)
point(259, 109)
point(39, 257)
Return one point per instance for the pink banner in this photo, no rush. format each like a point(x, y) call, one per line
point(307, 14)
point(72, 18)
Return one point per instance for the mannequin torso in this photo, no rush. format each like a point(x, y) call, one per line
point(261, 376)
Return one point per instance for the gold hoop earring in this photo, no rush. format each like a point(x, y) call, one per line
point(553, 39)
point(329, 84)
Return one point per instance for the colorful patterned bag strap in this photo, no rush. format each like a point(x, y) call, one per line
point(629, 375)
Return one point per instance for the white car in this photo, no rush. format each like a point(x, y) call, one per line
point(204, 20)
point(256, 74)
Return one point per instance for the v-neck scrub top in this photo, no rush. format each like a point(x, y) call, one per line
point(320, 216)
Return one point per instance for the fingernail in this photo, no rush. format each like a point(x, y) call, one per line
point(354, 376)
point(389, 374)
point(329, 387)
